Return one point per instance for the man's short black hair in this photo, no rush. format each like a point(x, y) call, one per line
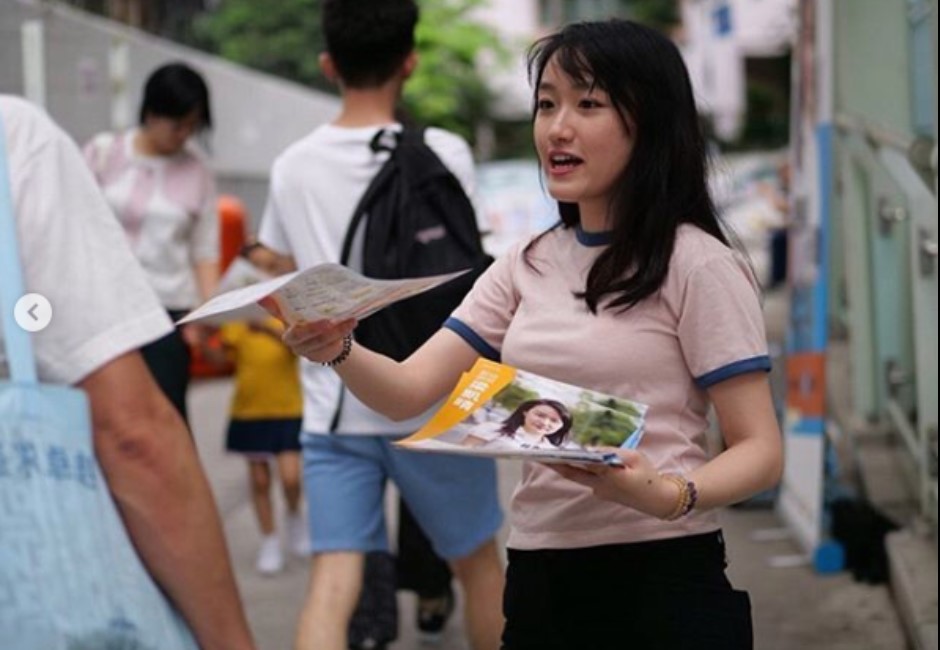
point(368, 40)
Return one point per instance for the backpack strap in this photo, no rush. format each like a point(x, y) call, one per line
point(383, 140)
point(413, 135)
point(380, 142)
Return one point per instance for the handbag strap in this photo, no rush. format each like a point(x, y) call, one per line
point(19, 347)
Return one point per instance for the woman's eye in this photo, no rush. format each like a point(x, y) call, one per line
point(589, 103)
point(543, 104)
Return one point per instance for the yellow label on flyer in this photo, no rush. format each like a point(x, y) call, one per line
point(475, 388)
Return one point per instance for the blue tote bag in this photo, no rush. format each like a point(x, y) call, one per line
point(70, 578)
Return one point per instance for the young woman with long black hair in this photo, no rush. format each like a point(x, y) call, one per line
point(635, 293)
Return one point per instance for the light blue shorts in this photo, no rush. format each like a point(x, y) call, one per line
point(453, 498)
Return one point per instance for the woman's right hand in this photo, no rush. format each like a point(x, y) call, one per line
point(319, 341)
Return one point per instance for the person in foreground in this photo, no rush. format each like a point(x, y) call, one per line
point(75, 254)
point(635, 293)
point(348, 451)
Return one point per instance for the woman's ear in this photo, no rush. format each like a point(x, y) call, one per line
point(328, 67)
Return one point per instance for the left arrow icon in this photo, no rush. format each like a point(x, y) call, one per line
point(33, 312)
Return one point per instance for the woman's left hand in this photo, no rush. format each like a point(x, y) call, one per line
point(636, 483)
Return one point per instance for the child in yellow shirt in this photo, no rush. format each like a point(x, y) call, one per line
point(266, 410)
point(264, 425)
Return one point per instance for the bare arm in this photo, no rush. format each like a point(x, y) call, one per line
point(207, 278)
point(151, 467)
point(269, 260)
point(751, 462)
point(753, 457)
point(397, 390)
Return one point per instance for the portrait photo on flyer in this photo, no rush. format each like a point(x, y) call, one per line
point(499, 411)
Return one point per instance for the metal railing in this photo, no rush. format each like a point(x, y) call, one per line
point(921, 151)
point(911, 163)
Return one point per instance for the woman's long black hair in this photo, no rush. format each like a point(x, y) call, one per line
point(517, 418)
point(664, 184)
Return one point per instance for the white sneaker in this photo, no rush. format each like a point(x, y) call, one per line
point(298, 539)
point(270, 556)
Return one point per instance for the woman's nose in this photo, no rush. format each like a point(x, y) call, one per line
point(560, 128)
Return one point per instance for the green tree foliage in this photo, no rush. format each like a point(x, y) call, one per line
point(277, 36)
point(606, 422)
point(283, 37)
point(446, 89)
point(514, 395)
point(661, 14)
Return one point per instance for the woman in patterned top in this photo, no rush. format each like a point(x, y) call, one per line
point(163, 193)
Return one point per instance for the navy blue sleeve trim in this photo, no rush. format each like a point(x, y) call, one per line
point(471, 337)
point(732, 370)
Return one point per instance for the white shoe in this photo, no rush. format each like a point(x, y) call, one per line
point(298, 539)
point(270, 556)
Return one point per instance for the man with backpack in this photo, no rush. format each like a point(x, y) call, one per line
point(318, 185)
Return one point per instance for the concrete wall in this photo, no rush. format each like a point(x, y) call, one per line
point(94, 71)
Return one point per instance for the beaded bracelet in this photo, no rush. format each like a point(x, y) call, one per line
point(685, 500)
point(343, 354)
point(679, 482)
point(693, 497)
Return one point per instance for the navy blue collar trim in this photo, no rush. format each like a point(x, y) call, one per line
point(593, 238)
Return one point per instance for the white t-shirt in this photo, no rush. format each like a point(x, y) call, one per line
point(73, 252)
point(167, 206)
point(316, 185)
point(703, 326)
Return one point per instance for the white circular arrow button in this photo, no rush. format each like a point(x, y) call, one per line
point(33, 312)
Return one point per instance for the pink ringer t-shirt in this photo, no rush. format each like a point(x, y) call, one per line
point(705, 325)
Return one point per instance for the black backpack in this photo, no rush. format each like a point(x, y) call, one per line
point(418, 222)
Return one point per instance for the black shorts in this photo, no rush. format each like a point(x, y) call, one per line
point(662, 595)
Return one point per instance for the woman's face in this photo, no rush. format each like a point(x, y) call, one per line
point(542, 420)
point(582, 142)
point(167, 135)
